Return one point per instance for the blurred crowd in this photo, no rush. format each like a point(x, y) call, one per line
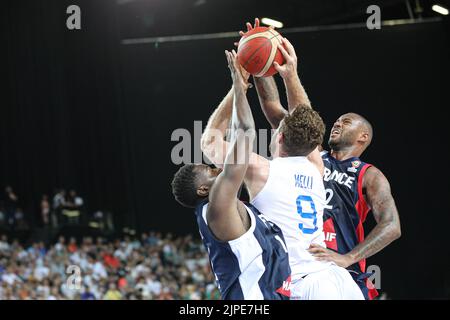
point(152, 267)
point(62, 209)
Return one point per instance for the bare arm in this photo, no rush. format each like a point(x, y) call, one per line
point(270, 100)
point(296, 94)
point(267, 88)
point(380, 200)
point(268, 91)
point(212, 141)
point(215, 147)
point(226, 215)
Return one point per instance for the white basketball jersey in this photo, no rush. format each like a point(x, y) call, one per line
point(293, 198)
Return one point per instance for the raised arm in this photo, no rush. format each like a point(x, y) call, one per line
point(268, 91)
point(215, 147)
point(226, 215)
point(270, 100)
point(213, 139)
point(296, 94)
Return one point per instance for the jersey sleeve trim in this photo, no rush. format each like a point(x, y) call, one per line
point(362, 207)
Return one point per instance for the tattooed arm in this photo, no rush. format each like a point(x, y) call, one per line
point(270, 100)
point(380, 200)
point(296, 94)
point(268, 92)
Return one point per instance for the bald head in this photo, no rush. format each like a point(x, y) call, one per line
point(364, 125)
point(351, 130)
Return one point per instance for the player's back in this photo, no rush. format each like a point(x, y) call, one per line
point(252, 267)
point(293, 198)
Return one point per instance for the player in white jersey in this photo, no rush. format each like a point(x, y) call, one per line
point(289, 190)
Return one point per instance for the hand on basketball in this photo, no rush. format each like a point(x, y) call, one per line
point(238, 74)
point(324, 254)
point(250, 27)
point(289, 68)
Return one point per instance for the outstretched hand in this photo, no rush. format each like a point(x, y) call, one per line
point(249, 28)
point(289, 68)
point(238, 74)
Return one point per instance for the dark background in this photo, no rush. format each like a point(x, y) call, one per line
point(81, 110)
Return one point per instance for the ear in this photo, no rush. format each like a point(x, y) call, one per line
point(363, 137)
point(203, 191)
point(280, 138)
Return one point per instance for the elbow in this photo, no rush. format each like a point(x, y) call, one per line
point(396, 232)
point(203, 143)
point(248, 128)
point(249, 133)
point(247, 124)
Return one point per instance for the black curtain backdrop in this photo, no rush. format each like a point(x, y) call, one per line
point(80, 110)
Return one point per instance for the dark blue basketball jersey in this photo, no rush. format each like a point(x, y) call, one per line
point(345, 212)
point(255, 266)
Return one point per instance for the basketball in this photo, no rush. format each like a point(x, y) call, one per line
point(258, 49)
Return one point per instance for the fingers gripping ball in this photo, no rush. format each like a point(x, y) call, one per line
point(258, 49)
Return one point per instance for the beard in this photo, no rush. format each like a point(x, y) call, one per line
point(340, 143)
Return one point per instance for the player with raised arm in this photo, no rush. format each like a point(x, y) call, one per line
point(353, 187)
point(247, 252)
point(290, 192)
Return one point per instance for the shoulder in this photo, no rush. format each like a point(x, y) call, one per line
point(374, 179)
point(258, 163)
point(324, 154)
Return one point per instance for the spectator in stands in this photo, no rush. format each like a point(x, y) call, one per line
point(75, 200)
point(72, 247)
point(87, 294)
point(20, 223)
point(73, 207)
point(4, 245)
point(3, 215)
point(135, 271)
point(113, 293)
point(11, 203)
point(45, 211)
point(59, 201)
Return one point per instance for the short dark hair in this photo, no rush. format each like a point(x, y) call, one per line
point(184, 186)
point(303, 131)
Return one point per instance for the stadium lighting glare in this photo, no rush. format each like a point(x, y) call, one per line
point(440, 9)
point(271, 22)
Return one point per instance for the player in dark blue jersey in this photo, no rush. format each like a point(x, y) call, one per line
point(248, 254)
point(353, 187)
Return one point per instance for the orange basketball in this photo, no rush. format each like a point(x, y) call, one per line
point(258, 49)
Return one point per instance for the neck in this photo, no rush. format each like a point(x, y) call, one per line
point(282, 154)
point(345, 154)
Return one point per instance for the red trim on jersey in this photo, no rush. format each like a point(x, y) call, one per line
point(285, 289)
point(360, 235)
point(373, 293)
point(361, 205)
point(363, 208)
point(330, 234)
